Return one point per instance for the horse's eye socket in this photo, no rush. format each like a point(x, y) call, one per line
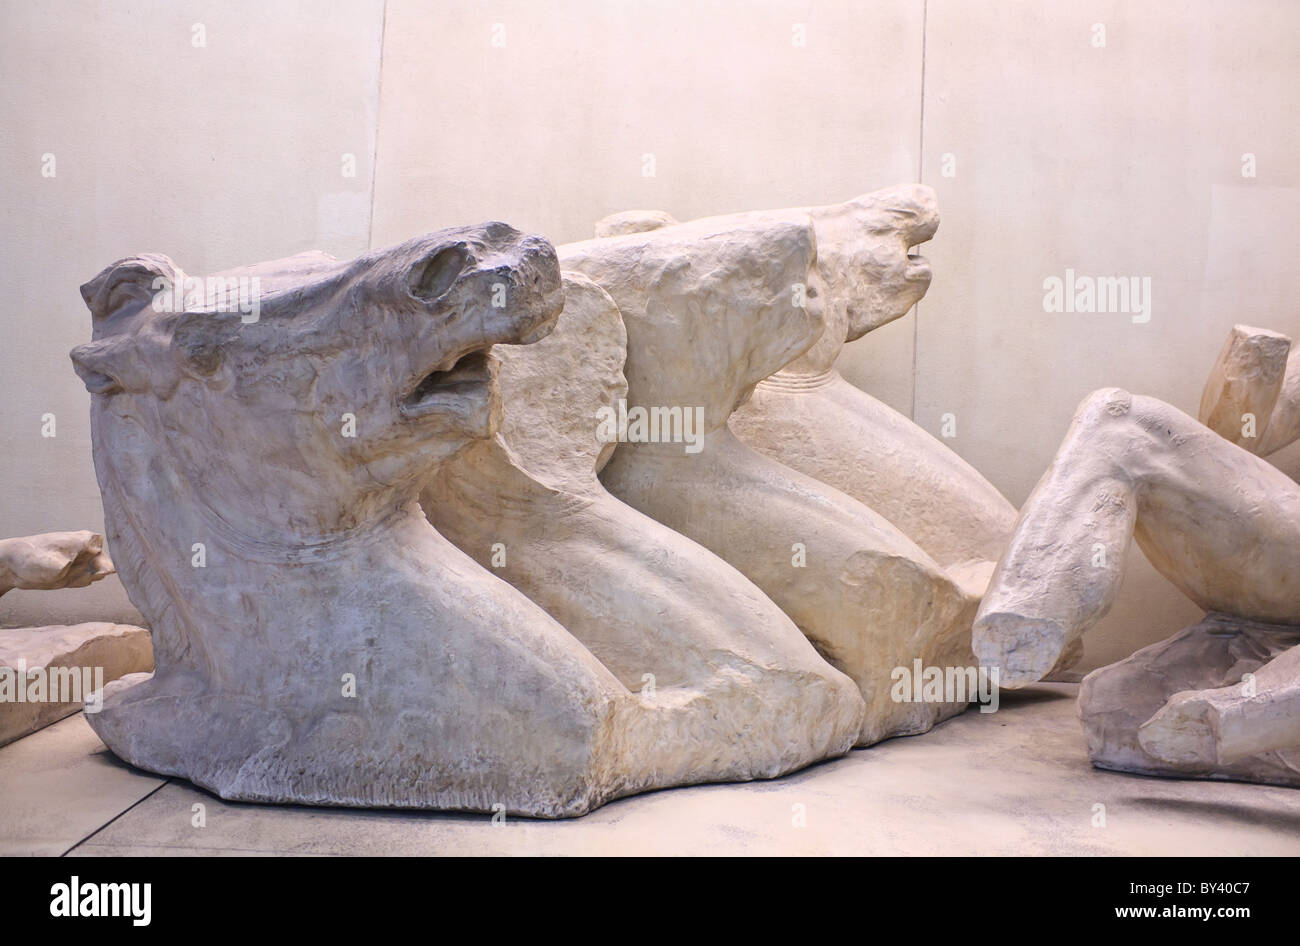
point(201, 341)
point(204, 357)
point(436, 275)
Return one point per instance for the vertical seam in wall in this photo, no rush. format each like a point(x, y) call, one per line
point(379, 110)
point(920, 177)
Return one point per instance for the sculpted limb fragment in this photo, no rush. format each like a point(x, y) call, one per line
point(1243, 386)
point(1218, 522)
point(1223, 697)
point(1188, 706)
point(1224, 725)
point(1284, 423)
point(1252, 396)
point(53, 560)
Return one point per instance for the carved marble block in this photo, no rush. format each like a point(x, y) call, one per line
point(62, 666)
point(713, 307)
point(1252, 396)
point(1217, 700)
point(317, 640)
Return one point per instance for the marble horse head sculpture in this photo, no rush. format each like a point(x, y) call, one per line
point(317, 641)
point(808, 417)
point(712, 308)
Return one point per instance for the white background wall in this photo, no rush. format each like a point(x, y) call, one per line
point(1122, 159)
point(218, 155)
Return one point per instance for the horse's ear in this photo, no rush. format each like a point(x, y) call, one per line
point(130, 283)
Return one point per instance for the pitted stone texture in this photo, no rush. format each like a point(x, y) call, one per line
point(551, 390)
point(711, 307)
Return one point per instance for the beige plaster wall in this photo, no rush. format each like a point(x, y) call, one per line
point(550, 116)
point(216, 154)
point(1122, 159)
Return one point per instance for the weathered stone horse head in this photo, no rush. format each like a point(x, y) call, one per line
point(810, 418)
point(317, 640)
point(864, 257)
point(397, 339)
point(713, 307)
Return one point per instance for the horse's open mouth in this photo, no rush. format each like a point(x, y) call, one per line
point(470, 376)
point(918, 267)
point(921, 229)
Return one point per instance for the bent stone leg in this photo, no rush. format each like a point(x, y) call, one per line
point(1221, 524)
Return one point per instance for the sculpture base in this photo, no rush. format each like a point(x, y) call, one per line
point(1114, 701)
point(50, 671)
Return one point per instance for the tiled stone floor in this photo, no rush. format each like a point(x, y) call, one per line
point(1012, 782)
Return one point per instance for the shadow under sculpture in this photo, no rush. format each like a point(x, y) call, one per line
point(1220, 699)
point(333, 648)
point(713, 307)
